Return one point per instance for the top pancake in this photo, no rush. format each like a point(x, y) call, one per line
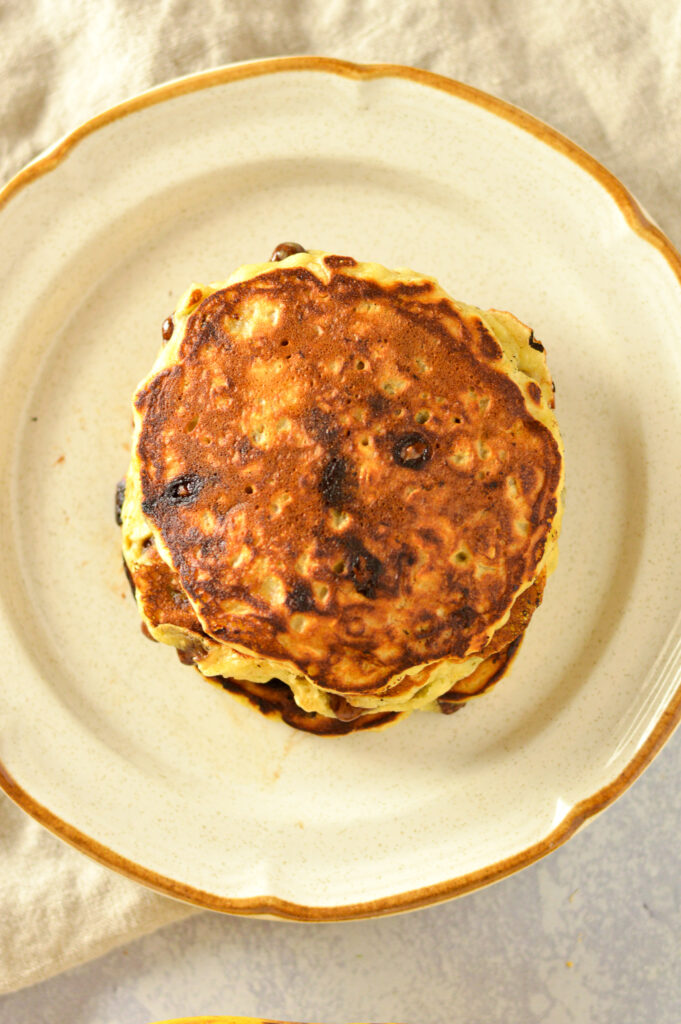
point(349, 472)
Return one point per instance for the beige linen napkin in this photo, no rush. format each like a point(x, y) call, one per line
point(58, 907)
point(606, 72)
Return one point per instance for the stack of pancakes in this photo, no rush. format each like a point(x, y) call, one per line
point(345, 490)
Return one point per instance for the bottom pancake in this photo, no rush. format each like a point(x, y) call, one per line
point(275, 698)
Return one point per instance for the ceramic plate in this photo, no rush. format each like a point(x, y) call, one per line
point(106, 738)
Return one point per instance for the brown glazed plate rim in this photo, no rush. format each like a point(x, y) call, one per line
point(210, 1019)
point(582, 811)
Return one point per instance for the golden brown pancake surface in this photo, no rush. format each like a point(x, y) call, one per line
point(344, 474)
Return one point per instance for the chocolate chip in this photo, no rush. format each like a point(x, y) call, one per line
point(193, 652)
point(118, 501)
point(412, 450)
point(364, 567)
point(167, 328)
point(285, 249)
point(448, 707)
point(344, 711)
point(181, 491)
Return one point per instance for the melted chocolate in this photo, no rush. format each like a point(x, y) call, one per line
point(285, 249)
point(412, 450)
point(118, 501)
point(167, 328)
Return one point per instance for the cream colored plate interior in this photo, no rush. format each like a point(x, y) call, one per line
point(123, 747)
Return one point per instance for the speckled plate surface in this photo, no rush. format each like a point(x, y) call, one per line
point(116, 747)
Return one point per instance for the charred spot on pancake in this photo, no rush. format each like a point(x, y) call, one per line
point(378, 403)
point(533, 343)
point(183, 490)
point(426, 625)
point(299, 597)
point(211, 333)
point(412, 450)
point(167, 328)
point(335, 262)
point(365, 569)
point(284, 250)
point(118, 501)
point(320, 425)
point(244, 448)
point(334, 482)
point(464, 617)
